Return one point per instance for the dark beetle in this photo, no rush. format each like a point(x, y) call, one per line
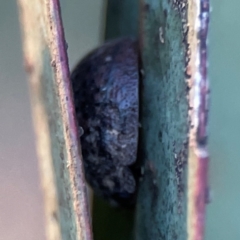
point(105, 87)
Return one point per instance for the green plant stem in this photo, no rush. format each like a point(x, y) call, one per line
point(60, 160)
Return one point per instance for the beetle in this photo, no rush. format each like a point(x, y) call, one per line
point(105, 87)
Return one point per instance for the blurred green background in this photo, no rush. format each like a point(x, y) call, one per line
point(21, 210)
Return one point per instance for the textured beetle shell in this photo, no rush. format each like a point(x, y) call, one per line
point(105, 87)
